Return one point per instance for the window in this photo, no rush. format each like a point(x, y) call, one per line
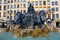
point(21, 5)
point(24, 11)
point(11, 1)
point(48, 8)
point(18, 6)
point(0, 1)
point(8, 11)
point(0, 7)
point(44, 2)
point(4, 14)
point(14, 0)
point(11, 11)
point(14, 6)
point(53, 16)
point(5, 2)
point(14, 11)
point(11, 6)
point(7, 17)
point(56, 8)
point(17, 0)
point(8, 6)
point(57, 15)
point(52, 3)
point(40, 2)
point(53, 9)
point(0, 14)
point(4, 7)
point(24, 0)
point(33, 3)
point(21, 10)
point(21, 0)
point(48, 2)
point(56, 3)
point(24, 5)
point(36, 3)
point(8, 1)
point(11, 17)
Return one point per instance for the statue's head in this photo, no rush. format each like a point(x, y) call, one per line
point(31, 8)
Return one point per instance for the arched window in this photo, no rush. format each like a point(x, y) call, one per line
point(44, 2)
point(40, 2)
point(14, 0)
point(18, 6)
point(53, 3)
point(56, 3)
point(11, 1)
point(8, 1)
point(4, 7)
point(4, 14)
point(4, 1)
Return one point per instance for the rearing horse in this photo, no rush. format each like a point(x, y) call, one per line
point(42, 16)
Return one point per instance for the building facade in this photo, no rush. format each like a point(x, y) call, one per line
point(8, 7)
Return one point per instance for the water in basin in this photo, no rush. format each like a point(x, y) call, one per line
point(8, 36)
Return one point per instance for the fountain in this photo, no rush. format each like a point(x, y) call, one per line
point(30, 23)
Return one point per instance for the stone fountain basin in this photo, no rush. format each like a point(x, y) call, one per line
point(2, 30)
